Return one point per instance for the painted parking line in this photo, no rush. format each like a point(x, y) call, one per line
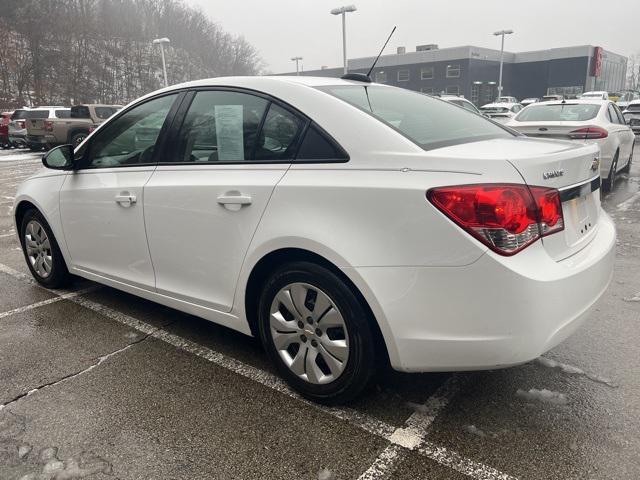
point(410, 437)
point(49, 301)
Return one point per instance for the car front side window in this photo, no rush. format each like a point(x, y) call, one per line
point(130, 139)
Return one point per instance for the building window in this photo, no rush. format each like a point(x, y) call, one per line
point(428, 91)
point(453, 71)
point(403, 75)
point(381, 77)
point(426, 73)
point(489, 94)
point(475, 93)
point(453, 90)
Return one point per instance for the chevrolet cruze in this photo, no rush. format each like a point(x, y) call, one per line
point(344, 223)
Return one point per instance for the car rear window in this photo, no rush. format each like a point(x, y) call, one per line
point(63, 113)
point(36, 114)
point(427, 121)
point(494, 110)
point(568, 112)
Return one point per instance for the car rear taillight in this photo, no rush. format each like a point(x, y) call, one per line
point(589, 133)
point(92, 128)
point(48, 126)
point(505, 217)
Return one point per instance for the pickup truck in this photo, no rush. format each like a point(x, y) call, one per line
point(83, 120)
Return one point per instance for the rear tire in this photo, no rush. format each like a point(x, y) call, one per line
point(41, 251)
point(78, 138)
point(330, 362)
point(627, 167)
point(610, 182)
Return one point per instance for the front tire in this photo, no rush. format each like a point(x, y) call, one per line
point(316, 332)
point(41, 251)
point(78, 138)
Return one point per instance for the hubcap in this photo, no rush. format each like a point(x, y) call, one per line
point(309, 333)
point(38, 249)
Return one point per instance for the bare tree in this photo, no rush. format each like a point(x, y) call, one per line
point(70, 51)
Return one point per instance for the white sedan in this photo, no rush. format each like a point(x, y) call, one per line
point(346, 224)
point(583, 121)
point(501, 112)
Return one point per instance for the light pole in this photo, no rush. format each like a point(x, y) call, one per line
point(296, 59)
point(497, 34)
point(343, 11)
point(161, 42)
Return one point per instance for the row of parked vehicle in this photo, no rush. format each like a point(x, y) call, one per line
point(594, 117)
point(47, 126)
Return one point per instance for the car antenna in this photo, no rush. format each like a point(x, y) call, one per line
point(366, 78)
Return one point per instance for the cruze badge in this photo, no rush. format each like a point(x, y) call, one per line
point(553, 174)
point(595, 164)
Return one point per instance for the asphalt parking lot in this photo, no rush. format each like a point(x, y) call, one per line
point(98, 384)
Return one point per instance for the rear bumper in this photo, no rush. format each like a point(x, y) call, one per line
point(496, 312)
point(35, 140)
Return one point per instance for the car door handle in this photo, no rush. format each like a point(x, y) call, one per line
point(126, 199)
point(234, 200)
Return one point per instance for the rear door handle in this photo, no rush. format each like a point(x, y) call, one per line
point(234, 200)
point(126, 199)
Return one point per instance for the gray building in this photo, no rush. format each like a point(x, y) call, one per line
point(473, 71)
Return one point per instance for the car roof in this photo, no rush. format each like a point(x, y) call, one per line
point(595, 92)
point(499, 104)
point(577, 101)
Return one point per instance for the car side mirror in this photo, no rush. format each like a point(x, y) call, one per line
point(59, 158)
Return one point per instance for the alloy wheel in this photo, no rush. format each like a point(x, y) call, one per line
point(38, 249)
point(309, 333)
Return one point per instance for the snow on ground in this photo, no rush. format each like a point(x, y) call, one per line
point(13, 155)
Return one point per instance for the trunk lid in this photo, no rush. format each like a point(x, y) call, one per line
point(36, 126)
point(566, 166)
point(550, 130)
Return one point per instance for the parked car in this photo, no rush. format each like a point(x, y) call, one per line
point(438, 241)
point(5, 118)
point(595, 95)
point(37, 126)
point(461, 102)
point(501, 112)
point(583, 121)
point(552, 98)
point(632, 116)
point(529, 101)
point(74, 129)
point(626, 97)
point(18, 123)
point(506, 100)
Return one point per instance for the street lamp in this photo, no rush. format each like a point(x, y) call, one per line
point(161, 42)
point(343, 11)
point(296, 59)
point(501, 33)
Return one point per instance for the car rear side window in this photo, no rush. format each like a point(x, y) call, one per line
point(80, 111)
point(279, 135)
point(317, 146)
point(104, 112)
point(428, 122)
point(567, 112)
point(63, 113)
point(31, 114)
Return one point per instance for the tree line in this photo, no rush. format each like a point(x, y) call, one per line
point(64, 52)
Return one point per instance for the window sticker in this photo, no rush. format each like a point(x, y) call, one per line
point(229, 132)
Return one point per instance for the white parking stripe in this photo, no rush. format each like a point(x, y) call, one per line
point(414, 432)
point(64, 296)
point(409, 437)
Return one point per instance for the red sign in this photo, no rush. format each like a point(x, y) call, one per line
point(596, 62)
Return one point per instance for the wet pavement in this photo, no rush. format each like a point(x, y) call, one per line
point(99, 384)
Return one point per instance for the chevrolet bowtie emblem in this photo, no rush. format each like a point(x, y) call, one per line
point(595, 164)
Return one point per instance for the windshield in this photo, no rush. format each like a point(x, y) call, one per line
point(576, 112)
point(427, 121)
point(592, 95)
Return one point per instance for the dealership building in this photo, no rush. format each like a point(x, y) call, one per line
point(473, 71)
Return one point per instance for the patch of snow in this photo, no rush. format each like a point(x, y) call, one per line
point(571, 370)
point(406, 437)
point(473, 430)
point(326, 474)
point(635, 298)
point(543, 396)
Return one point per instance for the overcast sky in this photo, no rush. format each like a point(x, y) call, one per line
point(281, 29)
